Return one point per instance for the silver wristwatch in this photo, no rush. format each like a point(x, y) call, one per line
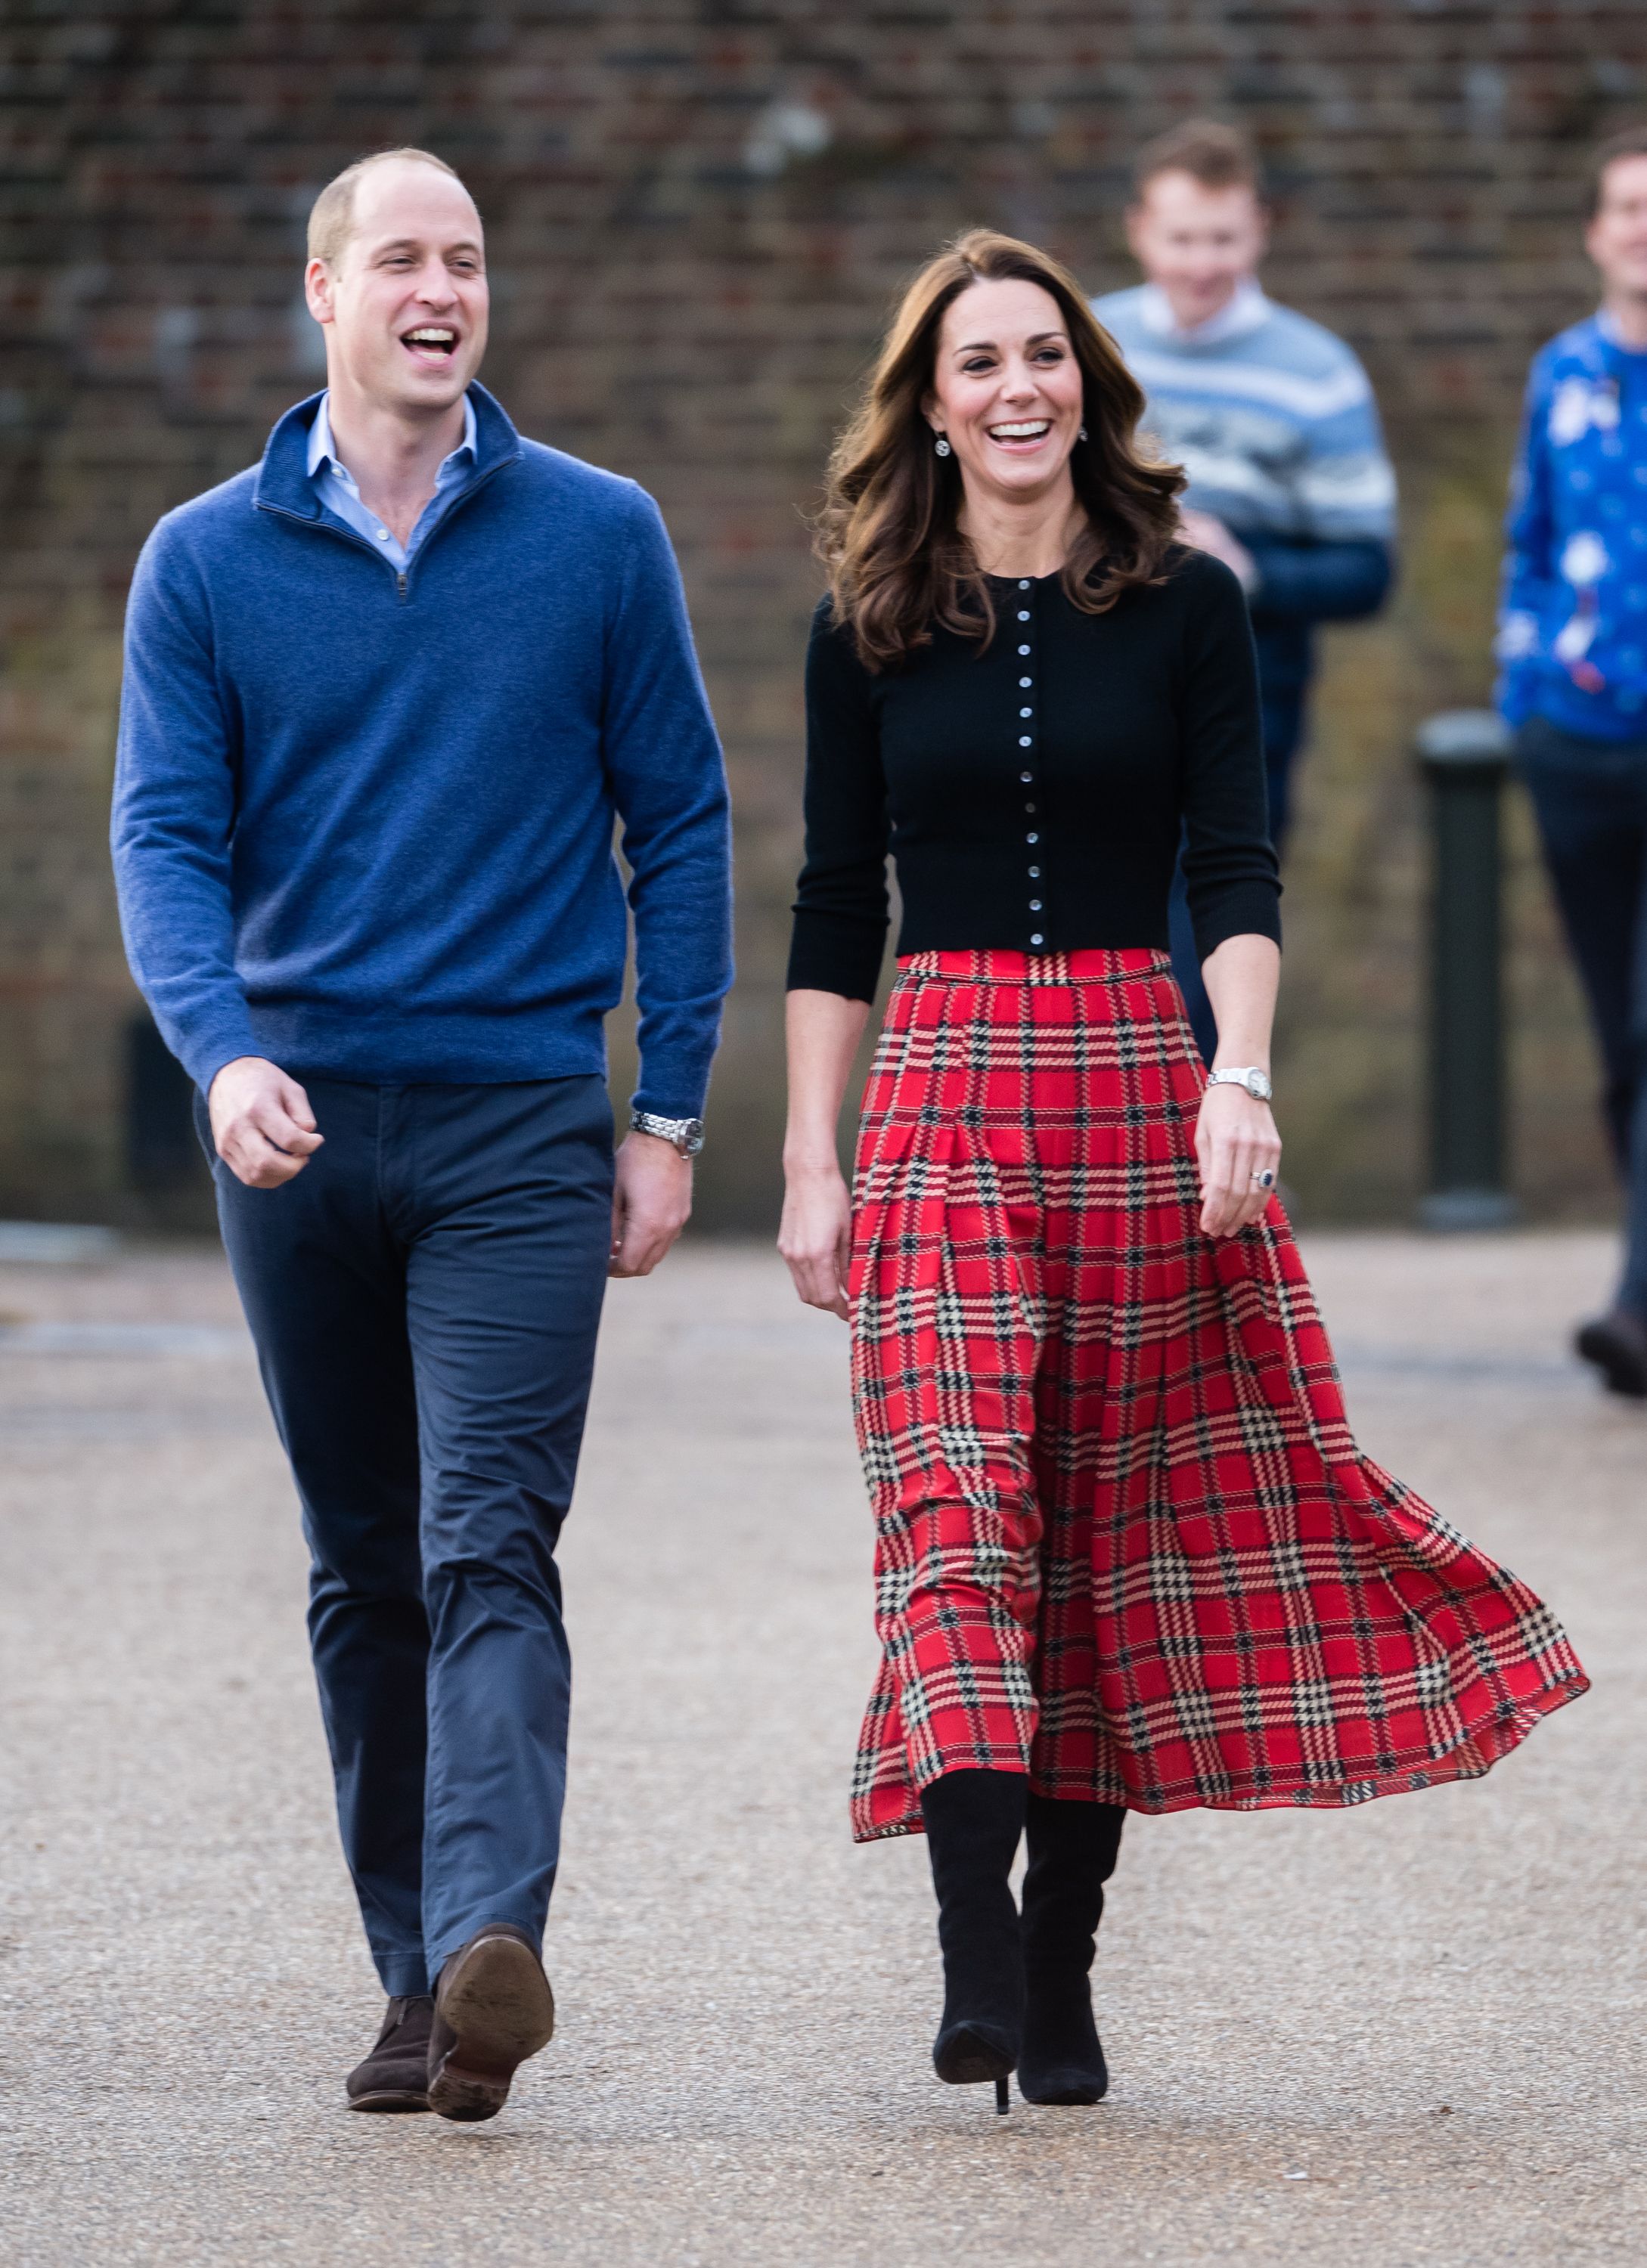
point(687, 1134)
point(1255, 1081)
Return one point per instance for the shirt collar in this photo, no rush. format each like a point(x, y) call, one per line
point(1607, 325)
point(1244, 309)
point(323, 453)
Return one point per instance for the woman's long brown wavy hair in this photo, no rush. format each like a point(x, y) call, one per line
point(887, 532)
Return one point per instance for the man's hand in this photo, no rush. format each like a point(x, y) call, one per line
point(1207, 533)
point(262, 1122)
point(651, 1203)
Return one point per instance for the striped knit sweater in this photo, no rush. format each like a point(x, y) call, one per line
point(1270, 414)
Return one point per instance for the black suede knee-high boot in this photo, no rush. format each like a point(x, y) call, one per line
point(973, 1822)
point(1073, 1849)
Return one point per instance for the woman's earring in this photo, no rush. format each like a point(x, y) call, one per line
point(1082, 433)
point(941, 445)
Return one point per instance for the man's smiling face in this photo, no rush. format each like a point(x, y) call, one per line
point(404, 306)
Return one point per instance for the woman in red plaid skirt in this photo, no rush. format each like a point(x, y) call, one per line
point(1127, 1556)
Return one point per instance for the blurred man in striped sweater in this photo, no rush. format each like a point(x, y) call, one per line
point(1273, 419)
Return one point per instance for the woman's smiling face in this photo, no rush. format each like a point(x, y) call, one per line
point(1007, 390)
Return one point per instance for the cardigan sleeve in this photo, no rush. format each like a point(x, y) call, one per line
point(841, 907)
point(1230, 871)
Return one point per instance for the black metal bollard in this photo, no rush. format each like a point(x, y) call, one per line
point(1464, 756)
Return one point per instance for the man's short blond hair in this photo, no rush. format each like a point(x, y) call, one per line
point(332, 215)
point(1217, 156)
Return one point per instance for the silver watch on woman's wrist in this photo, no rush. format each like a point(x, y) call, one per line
point(686, 1134)
point(1249, 1076)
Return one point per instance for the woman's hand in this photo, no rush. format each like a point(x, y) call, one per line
point(816, 1235)
point(1235, 1139)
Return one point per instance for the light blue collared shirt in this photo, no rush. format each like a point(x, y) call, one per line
point(334, 484)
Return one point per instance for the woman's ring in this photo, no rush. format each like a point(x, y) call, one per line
point(1264, 1177)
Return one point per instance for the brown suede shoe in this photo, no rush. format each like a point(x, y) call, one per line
point(395, 2075)
point(493, 2009)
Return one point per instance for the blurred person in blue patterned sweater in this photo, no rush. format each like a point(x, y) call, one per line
point(1274, 421)
point(1572, 642)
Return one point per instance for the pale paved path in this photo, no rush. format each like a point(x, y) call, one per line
point(1410, 2033)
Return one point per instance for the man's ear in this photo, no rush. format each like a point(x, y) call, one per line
point(317, 291)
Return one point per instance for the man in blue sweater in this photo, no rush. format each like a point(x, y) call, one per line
point(1274, 421)
point(386, 695)
point(1572, 641)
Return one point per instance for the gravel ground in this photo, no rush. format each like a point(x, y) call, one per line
point(1409, 2033)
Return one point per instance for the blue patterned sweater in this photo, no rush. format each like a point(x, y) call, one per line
point(1572, 629)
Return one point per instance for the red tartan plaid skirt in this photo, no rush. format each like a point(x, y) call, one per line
point(1124, 1541)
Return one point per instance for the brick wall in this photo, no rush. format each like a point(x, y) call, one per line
point(697, 214)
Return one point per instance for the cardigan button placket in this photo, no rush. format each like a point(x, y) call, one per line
point(1026, 742)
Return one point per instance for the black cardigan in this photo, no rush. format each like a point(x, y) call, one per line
point(1034, 794)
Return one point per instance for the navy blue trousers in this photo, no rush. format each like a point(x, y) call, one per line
point(425, 1297)
point(1590, 799)
point(1284, 730)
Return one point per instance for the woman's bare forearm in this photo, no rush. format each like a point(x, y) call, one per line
point(1242, 978)
point(824, 1029)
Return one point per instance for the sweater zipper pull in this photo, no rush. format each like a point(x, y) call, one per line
point(400, 583)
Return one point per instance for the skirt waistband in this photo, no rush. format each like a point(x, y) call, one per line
point(998, 965)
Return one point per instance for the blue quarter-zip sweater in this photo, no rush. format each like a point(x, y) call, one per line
point(363, 820)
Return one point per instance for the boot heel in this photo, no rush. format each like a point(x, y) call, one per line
point(973, 2055)
point(1003, 2100)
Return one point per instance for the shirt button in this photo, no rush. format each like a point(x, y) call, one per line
point(1024, 585)
point(1035, 905)
point(1023, 649)
point(1031, 839)
point(1026, 712)
point(383, 535)
point(1026, 777)
point(1026, 682)
point(1030, 808)
point(1034, 873)
point(1037, 938)
point(1024, 740)
point(1023, 614)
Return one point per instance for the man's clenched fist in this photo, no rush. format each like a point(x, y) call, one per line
point(262, 1122)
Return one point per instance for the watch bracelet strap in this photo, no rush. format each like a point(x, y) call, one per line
point(678, 1131)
